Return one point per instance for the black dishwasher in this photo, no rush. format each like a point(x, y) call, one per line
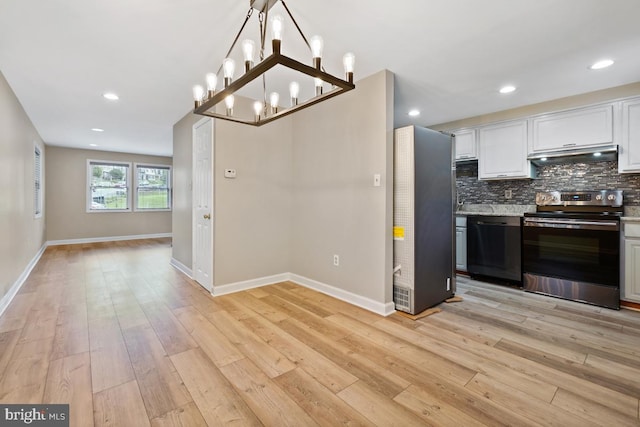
point(493, 247)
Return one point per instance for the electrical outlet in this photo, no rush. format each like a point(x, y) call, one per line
point(336, 260)
point(508, 194)
point(230, 173)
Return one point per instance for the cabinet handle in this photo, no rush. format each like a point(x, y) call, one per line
point(463, 157)
point(569, 145)
point(502, 176)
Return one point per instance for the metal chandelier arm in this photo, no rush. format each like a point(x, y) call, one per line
point(244, 24)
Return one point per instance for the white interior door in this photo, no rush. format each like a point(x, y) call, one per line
point(203, 218)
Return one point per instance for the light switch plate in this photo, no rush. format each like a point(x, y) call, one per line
point(229, 173)
point(376, 180)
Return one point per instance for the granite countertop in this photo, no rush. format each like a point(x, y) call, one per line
point(631, 213)
point(495, 210)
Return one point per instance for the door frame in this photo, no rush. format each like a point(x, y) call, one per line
point(203, 121)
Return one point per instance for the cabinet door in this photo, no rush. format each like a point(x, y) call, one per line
point(502, 151)
point(629, 157)
point(572, 129)
point(631, 289)
point(465, 144)
point(461, 248)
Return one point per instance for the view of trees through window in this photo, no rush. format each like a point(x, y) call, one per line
point(109, 186)
point(153, 190)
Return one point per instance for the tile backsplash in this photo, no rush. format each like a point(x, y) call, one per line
point(561, 177)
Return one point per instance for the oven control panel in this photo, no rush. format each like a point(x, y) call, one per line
point(580, 198)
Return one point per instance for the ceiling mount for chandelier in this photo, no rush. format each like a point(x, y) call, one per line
point(267, 108)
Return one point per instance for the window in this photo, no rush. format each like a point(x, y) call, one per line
point(37, 180)
point(153, 187)
point(108, 186)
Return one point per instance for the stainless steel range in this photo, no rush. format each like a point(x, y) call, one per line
point(571, 246)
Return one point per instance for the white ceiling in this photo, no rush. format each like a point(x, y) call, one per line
point(449, 57)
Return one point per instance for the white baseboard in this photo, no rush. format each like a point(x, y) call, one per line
point(8, 297)
point(341, 294)
point(107, 239)
point(249, 284)
point(181, 267)
point(351, 298)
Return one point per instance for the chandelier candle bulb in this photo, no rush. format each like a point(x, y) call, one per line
point(229, 67)
point(349, 61)
point(294, 91)
point(248, 49)
point(277, 27)
point(318, 83)
point(228, 102)
point(212, 82)
point(198, 95)
point(257, 109)
point(274, 98)
point(317, 45)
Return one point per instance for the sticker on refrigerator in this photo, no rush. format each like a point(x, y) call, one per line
point(398, 233)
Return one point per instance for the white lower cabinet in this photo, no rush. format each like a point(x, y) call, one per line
point(631, 265)
point(502, 151)
point(461, 243)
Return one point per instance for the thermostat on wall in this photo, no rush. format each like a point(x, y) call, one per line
point(229, 173)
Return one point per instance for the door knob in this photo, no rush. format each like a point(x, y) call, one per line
point(206, 216)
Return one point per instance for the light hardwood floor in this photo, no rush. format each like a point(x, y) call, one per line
point(126, 340)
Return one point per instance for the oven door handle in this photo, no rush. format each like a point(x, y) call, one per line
point(575, 224)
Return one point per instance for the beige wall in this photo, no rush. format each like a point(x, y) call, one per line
point(181, 219)
point(252, 211)
point(545, 107)
point(67, 218)
point(304, 191)
point(338, 146)
point(21, 235)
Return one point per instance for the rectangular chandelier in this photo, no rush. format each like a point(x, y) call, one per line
point(267, 109)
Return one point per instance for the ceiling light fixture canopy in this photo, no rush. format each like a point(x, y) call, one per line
point(268, 108)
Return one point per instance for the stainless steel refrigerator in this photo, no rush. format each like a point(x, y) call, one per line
point(423, 218)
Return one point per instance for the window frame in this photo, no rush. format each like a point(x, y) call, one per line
point(91, 162)
point(136, 185)
point(38, 193)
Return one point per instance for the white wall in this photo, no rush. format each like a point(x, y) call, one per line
point(22, 235)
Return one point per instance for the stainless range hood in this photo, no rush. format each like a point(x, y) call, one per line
point(596, 153)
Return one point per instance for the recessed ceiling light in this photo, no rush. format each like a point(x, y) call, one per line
point(111, 96)
point(602, 64)
point(507, 89)
point(543, 159)
point(97, 130)
point(414, 113)
point(597, 154)
point(93, 145)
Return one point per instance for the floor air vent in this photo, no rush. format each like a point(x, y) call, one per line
point(402, 298)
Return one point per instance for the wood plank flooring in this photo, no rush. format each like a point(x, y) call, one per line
point(126, 340)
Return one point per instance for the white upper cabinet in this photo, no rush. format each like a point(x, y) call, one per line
point(465, 144)
point(502, 151)
point(577, 128)
point(629, 154)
